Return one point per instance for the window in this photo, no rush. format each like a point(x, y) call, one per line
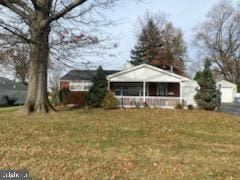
point(131, 92)
point(80, 86)
point(128, 89)
point(128, 92)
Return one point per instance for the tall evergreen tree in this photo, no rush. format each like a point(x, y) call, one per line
point(208, 96)
point(160, 44)
point(198, 76)
point(99, 89)
point(148, 43)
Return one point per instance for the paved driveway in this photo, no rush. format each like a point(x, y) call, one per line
point(230, 108)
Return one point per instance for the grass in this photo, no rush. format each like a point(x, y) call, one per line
point(121, 144)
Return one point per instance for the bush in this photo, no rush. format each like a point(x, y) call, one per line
point(238, 87)
point(10, 101)
point(98, 90)
point(190, 107)
point(109, 101)
point(179, 106)
point(208, 97)
point(62, 95)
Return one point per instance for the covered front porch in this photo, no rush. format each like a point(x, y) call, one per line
point(141, 94)
point(146, 85)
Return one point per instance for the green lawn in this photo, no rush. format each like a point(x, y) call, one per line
point(121, 144)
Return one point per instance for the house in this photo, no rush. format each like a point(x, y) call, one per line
point(12, 89)
point(135, 86)
point(148, 85)
point(143, 85)
point(78, 82)
point(228, 91)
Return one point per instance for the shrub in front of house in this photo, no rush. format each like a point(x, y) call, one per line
point(208, 96)
point(109, 101)
point(10, 101)
point(63, 96)
point(98, 90)
point(238, 87)
point(190, 107)
point(179, 106)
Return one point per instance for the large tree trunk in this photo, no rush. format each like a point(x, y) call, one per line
point(37, 100)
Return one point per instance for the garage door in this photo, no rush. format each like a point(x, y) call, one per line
point(227, 95)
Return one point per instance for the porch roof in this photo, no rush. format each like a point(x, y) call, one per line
point(146, 73)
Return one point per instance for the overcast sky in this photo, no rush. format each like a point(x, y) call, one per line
point(185, 14)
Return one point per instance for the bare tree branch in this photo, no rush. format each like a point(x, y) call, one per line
point(15, 31)
point(65, 10)
point(11, 4)
point(219, 37)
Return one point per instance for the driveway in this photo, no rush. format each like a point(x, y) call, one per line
point(230, 108)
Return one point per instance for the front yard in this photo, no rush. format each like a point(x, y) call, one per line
point(133, 144)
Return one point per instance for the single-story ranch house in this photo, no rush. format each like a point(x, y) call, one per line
point(154, 86)
point(12, 89)
point(143, 85)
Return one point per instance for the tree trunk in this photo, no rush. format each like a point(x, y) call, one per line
point(37, 100)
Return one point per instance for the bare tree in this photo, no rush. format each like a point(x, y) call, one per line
point(16, 59)
point(218, 38)
point(32, 22)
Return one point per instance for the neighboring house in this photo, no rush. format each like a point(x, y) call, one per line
point(79, 83)
point(12, 89)
point(148, 85)
point(228, 91)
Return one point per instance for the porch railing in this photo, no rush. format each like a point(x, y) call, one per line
point(138, 101)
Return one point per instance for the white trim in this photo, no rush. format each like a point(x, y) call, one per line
point(152, 97)
point(164, 102)
point(108, 85)
point(180, 89)
point(148, 66)
point(144, 91)
point(226, 83)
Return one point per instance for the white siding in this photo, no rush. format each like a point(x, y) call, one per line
point(189, 90)
point(144, 74)
point(228, 90)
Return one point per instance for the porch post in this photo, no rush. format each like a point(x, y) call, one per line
point(180, 89)
point(108, 85)
point(144, 93)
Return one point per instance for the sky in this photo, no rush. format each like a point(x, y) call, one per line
point(185, 14)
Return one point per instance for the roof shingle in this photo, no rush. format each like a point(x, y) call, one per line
point(84, 74)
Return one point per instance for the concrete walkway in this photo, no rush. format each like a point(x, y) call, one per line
point(230, 108)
